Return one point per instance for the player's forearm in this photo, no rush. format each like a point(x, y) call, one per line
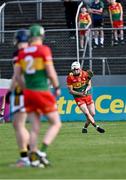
point(121, 16)
point(13, 84)
point(121, 10)
point(54, 81)
point(53, 78)
point(52, 75)
point(88, 25)
point(73, 92)
point(110, 15)
point(94, 11)
point(20, 82)
point(88, 88)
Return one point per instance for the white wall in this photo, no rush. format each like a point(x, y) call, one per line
point(5, 83)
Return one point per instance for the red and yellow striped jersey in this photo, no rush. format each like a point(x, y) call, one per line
point(115, 10)
point(84, 19)
point(32, 61)
point(78, 83)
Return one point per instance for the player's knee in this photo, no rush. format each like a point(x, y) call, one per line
point(36, 129)
point(87, 114)
point(59, 124)
point(93, 114)
point(16, 125)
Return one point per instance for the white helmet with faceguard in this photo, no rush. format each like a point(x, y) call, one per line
point(75, 65)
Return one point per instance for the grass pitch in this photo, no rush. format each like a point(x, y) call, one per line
point(73, 155)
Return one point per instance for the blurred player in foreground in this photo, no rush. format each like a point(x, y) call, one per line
point(79, 85)
point(17, 103)
point(35, 65)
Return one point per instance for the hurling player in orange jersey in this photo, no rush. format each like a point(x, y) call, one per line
point(79, 85)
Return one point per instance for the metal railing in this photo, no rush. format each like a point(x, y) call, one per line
point(72, 45)
point(89, 39)
point(38, 11)
point(76, 22)
point(4, 5)
point(64, 53)
point(2, 21)
point(105, 68)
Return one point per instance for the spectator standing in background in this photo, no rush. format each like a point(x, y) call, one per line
point(70, 14)
point(84, 22)
point(96, 9)
point(88, 2)
point(116, 18)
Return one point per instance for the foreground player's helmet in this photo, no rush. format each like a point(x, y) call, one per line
point(75, 65)
point(36, 31)
point(21, 36)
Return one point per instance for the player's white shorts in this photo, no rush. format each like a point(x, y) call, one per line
point(17, 103)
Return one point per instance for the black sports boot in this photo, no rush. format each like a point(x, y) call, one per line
point(100, 130)
point(84, 130)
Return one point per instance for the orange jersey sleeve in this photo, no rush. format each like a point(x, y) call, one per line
point(47, 54)
point(85, 75)
point(84, 18)
point(69, 80)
